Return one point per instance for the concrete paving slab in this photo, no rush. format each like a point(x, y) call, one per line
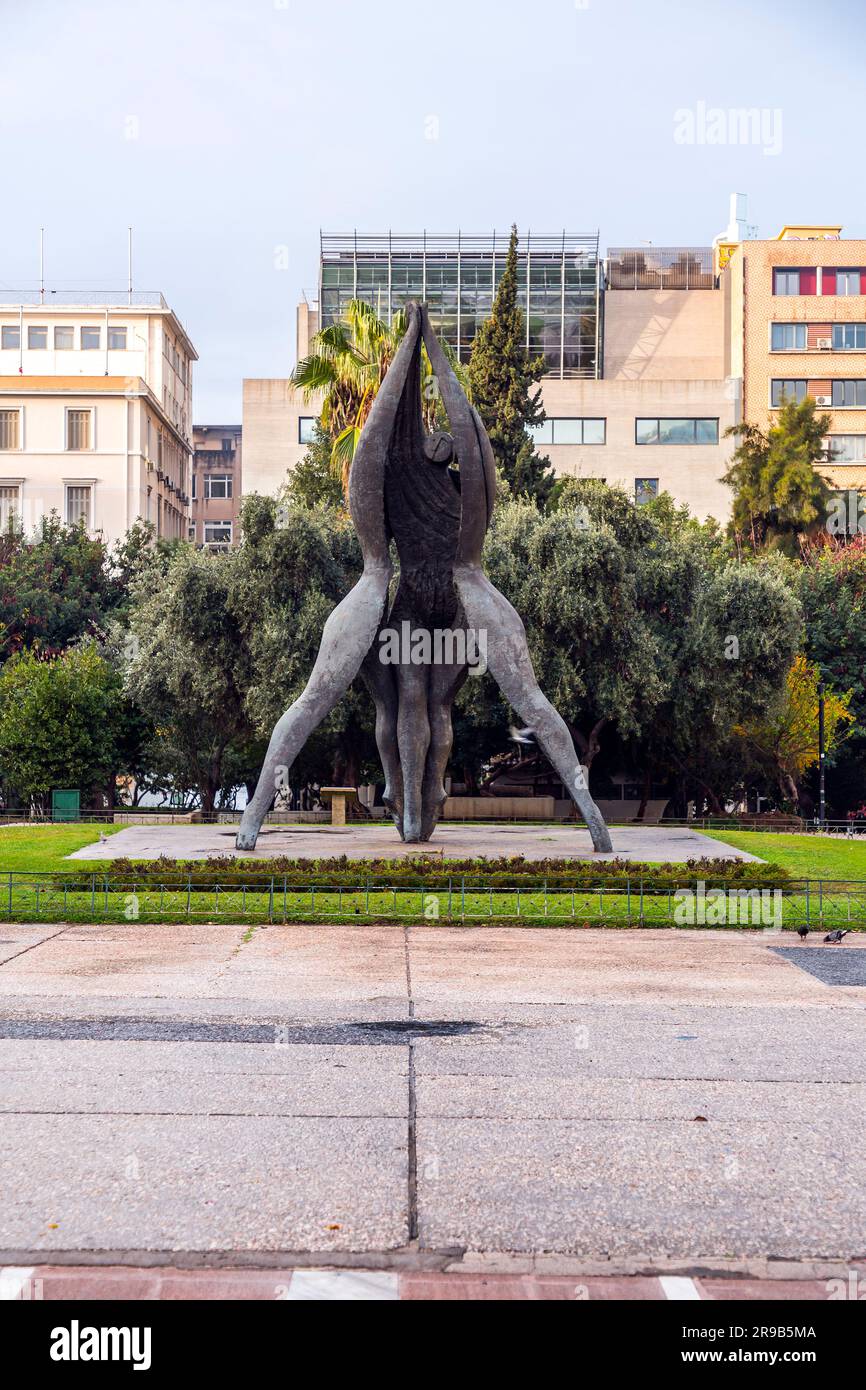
point(620, 1099)
point(108, 1182)
point(667, 1189)
point(645, 1044)
point(490, 966)
point(652, 844)
point(176, 1079)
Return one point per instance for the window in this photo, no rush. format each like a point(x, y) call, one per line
point(847, 448)
point(789, 389)
point(10, 508)
point(10, 429)
point(194, 488)
point(848, 281)
point(228, 446)
point(677, 431)
point(645, 489)
point(788, 337)
point(848, 394)
point(569, 431)
point(849, 337)
point(190, 533)
point(306, 428)
point(786, 282)
point(218, 485)
point(78, 504)
point(64, 339)
point(78, 429)
point(10, 336)
point(217, 533)
point(91, 339)
point(117, 339)
point(37, 336)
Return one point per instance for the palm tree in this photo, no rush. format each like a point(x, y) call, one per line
point(348, 365)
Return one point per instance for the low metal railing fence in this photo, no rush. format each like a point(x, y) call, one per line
point(89, 897)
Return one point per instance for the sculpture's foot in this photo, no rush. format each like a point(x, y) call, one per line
point(600, 835)
point(248, 831)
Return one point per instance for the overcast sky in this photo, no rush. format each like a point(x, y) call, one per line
point(228, 133)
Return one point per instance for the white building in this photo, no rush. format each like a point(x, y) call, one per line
point(95, 410)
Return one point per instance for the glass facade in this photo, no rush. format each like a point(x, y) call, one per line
point(558, 289)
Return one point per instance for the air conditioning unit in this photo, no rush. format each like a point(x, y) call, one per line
point(824, 343)
point(823, 400)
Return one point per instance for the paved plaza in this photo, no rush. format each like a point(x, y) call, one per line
point(651, 843)
point(429, 1102)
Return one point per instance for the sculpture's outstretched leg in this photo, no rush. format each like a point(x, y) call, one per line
point(508, 659)
point(346, 639)
point(379, 680)
point(445, 681)
point(413, 742)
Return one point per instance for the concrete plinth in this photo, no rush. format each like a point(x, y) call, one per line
point(650, 844)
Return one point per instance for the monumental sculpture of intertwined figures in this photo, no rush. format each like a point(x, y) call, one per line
point(401, 488)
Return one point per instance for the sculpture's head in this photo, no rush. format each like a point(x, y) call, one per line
point(439, 447)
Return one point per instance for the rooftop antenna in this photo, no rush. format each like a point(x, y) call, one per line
point(129, 257)
point(41, 265)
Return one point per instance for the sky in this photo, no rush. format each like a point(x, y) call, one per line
point(228, 133)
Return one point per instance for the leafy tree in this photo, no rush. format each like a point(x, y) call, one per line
point(502, 378)
point(61, 723)
point(785, 737)
point(572, 582)
point(831, 585)
point(54, 587)
point(779, 492)
point(188, 670)
point(294, 565)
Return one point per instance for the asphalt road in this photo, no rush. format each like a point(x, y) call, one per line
point(431, 1097)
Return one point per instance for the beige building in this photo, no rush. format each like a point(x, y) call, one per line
point(638, 389)
point(216, 486)
point(798, 327)
point(95, 411)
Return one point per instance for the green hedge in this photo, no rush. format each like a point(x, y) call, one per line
point(432, 873)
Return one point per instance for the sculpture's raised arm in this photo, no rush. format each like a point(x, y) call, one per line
point(367, 476)
point(477, 468)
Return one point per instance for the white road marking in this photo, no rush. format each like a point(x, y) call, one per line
point(342, 1284)
point(13, 1282)
point(675, 1287)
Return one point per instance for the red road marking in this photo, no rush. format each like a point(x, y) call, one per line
point(134, 1284)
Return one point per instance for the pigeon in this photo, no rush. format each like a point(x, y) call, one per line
point(834, 938)
point(802, 932)
point(520, 735)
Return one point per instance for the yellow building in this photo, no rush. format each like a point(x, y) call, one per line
point(797, 308)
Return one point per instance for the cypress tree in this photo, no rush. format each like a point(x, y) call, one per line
point(502, 378)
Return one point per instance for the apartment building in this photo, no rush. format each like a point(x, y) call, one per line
point(95, 410)
point(216, 486)
point(798, 310)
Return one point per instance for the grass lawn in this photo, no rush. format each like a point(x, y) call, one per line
point(804, 856)
point(41, 848)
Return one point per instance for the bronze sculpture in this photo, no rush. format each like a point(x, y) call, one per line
point(401, 488)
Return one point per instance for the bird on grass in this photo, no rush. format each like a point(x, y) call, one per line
point(833, 938)
point(802, 932)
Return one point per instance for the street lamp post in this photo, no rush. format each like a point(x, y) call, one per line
point(822, 800)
